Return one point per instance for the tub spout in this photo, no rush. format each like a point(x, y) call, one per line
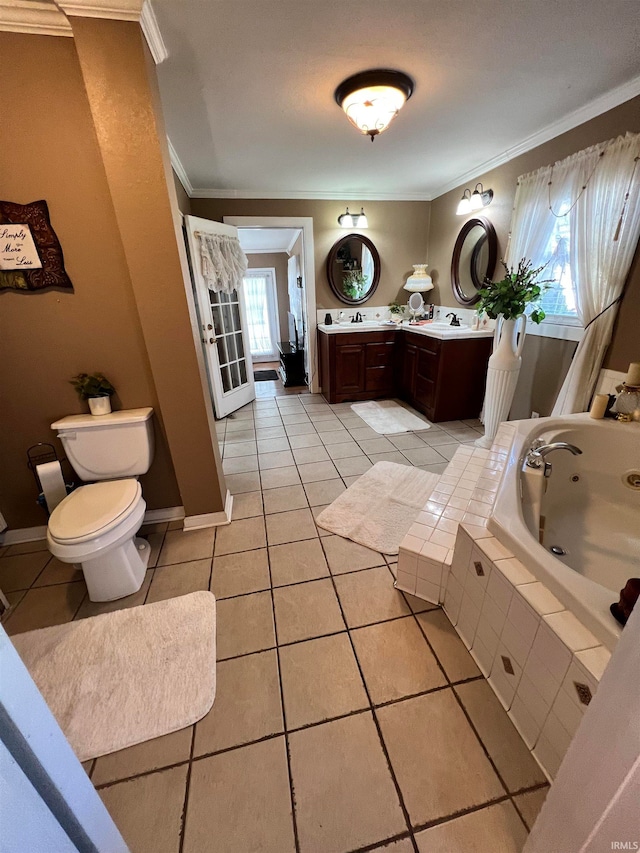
point(536, 456)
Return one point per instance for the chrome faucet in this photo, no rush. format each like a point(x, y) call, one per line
point(536, 456)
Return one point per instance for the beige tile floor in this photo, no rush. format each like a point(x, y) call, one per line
point(348, 716)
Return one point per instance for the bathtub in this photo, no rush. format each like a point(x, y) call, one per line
point(589, 510)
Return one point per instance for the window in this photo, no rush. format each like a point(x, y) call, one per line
point(262, 313)
point(558, 300)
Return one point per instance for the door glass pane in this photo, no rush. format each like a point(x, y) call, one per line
point(217, 319)
point(243, 371)
point(231, 347)
point(236, 316)
point(235, 375)
point(214, 298)
point(227, 319)
point(222, 351)
point(239, 345)
point(226, 379)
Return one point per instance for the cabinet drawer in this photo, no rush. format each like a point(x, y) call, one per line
point(379, 378)
point(380, 354)
point(427, 344)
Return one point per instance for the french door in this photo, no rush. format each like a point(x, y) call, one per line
point(223, 327)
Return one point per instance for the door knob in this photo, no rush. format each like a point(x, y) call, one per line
point(209, 326)
point(212, 340)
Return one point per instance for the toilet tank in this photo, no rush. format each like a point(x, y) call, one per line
point(108, 447)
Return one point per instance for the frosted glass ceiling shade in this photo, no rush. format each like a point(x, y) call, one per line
point(372, 99)
point(420, 281)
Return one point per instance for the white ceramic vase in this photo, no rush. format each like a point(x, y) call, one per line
point(99, 405)
point(502, 375)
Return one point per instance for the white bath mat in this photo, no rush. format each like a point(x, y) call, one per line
point(387, 417)
point(380, 507)
point(121, 678)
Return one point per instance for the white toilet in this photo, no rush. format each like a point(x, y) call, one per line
point(95, 525)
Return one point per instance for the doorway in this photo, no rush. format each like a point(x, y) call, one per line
point(286, 244)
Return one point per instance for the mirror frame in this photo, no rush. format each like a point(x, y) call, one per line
point(492, 240)
point(376, 269)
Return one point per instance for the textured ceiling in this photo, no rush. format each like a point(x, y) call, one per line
point(248, 87)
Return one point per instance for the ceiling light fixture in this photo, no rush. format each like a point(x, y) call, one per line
point(475, 200)
point(353, 220)
point(372, 99)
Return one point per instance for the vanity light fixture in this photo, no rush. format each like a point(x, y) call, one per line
point(476, 200)
point(353, 220)
point(372, 99)
point(420, 280)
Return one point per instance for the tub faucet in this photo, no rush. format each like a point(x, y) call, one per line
point(536, 455)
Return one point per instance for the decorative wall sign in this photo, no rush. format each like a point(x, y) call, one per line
point(30, 253)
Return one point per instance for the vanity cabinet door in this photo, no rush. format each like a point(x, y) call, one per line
point(350, 368)
point(408, 370)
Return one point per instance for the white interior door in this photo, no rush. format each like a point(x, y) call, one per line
point(223, 323)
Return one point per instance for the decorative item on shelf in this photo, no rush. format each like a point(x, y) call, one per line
point(372, 99)
point(353, 220)
point(96, 389)
point(476, 200)
point(327, 319)
point(628, 400)
point(416, 305)
point(506, 301)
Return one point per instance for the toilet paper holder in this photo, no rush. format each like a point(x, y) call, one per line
point(39, 454)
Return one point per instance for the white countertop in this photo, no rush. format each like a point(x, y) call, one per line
point(431, 330)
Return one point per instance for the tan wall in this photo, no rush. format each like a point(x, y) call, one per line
point(46, 337)
point(279, 262)
point(184, 202)
point(399, 230)
point(120, 79)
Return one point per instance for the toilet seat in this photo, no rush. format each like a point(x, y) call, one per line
point(94, 510)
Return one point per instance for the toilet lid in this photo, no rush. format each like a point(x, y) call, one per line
point(92, 510)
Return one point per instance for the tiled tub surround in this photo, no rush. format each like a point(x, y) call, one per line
point(542, 663)
point(325, 671)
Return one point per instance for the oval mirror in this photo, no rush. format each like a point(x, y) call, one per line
point(474, 259)
point(353, 269)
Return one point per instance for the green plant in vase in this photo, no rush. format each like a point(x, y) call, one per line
point(513, 294)
point(354, 284)
point(96, 389)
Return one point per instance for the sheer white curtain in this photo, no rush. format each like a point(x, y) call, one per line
point(260, 319)
point(531, 223)
point(604, 227)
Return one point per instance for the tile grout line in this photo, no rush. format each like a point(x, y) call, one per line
point(372, 710)
point(294, 817)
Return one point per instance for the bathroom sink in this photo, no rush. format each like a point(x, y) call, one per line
point(439, 324)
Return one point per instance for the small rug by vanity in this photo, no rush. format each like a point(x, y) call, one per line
point(264, 375)
point(387, 417)
point(121, 678)
point(380, 507)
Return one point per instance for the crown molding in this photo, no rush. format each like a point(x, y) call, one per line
point(34, 17)
point(151, 30)
point(116, 10)
point(347, 197)
point(179, 169)
point(594, 108)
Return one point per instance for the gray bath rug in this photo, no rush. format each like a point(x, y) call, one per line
point(121, 678)
point(387, 417)
point(380, 507)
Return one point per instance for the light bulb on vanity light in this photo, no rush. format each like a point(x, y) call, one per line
point(345, 220)
point(362, 219)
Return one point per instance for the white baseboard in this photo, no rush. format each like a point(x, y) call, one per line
point(168, 513)
point(211, 519)
point(23, 534)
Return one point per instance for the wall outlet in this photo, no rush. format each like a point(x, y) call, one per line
point(535, 414)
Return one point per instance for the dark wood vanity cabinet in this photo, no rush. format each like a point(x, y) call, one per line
point(444, 379)
point(357, 365)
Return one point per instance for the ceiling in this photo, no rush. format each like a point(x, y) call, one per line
point(267, 240)
point(248, 86)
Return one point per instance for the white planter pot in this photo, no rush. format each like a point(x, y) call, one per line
point(502, 375)
point(99, 405)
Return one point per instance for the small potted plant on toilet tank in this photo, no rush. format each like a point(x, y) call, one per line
point(96, 389)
